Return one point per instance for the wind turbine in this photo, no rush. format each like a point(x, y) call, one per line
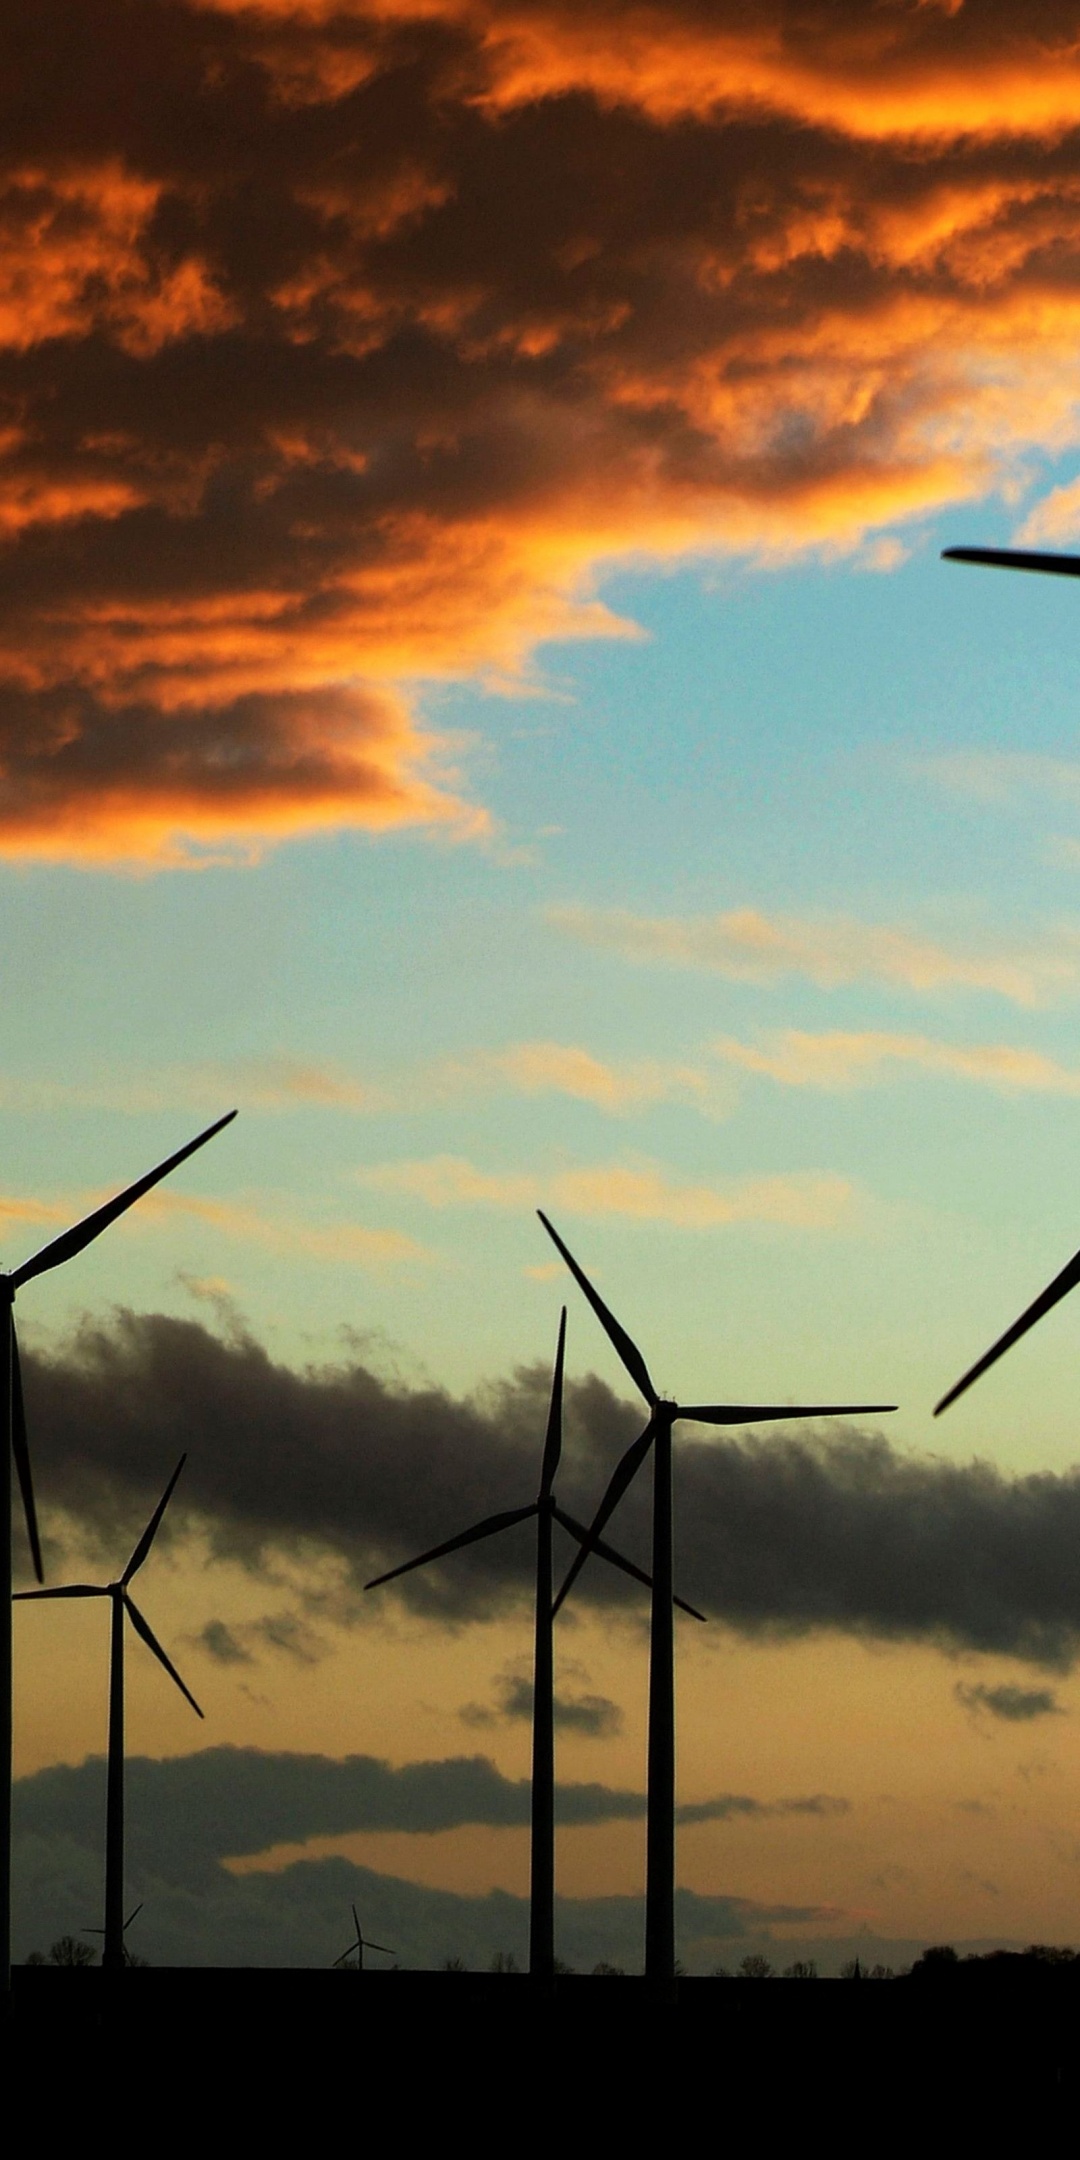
point(133, 1915)
point(123, 1603)
point(547, 1511)
point(660, 1845)
point(13, 1443)
point(360, 1945)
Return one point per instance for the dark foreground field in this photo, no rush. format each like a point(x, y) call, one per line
point(472, 2056)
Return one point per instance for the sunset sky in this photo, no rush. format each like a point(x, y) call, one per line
point(481, 694)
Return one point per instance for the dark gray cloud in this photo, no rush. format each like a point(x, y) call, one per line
point(189, 1815)
point(1015, 1704)
point(190, 1812)
point(778, 1534)
point(728, 1807)
point(223, 1643)
point(594, 1716)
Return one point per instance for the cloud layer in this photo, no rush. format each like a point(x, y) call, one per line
point(186, 1816)
point(349, 343)
point(346, 1474)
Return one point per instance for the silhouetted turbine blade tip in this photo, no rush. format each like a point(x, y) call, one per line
point(83, 1233)
point(142, 1627)
point(1044, 1303)
point(79, 1589)
point(621, 1342)
point(622, 1477)
point(490, 1527)
point(1016, 559)
point(763, 1413)
point(149, 1534)
point(607, 1552)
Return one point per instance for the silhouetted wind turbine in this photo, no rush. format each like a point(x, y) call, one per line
point(361, 1944)
point(122, 1603)
point(13, 1443)
point(133, 1915)
point(660, 1850)
point(547, 1511)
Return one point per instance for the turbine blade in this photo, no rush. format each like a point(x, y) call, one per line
point(617, 1559)
point(1015, 559)
point(133, 1915)
point(1059, 1288)
point(379, 1946)
point(553, 1442)
point(21, 1450)
point(152, 1528)
point(622, 1476)
point(617, 1336)
point(345, 1956)
point(761, 1413)
point(83, 1233)
point(142, 1627)
point(356, 1924)
point(490, 1527)
point(75, 1589)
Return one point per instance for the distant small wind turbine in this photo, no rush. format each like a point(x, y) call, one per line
point(356, 1949)
point(546, 1510)
point(122, 1603)
point(660, 1848)
point(13, 1443)
point(133, 1915)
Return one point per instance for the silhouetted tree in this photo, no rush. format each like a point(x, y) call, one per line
point(504, 1961)
point(69, 1951)
point(453, 1964)
point(606, 1971)
point(803, 1969)
point(755, 1967)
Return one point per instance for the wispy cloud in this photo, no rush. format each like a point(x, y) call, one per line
point(1004, 776)
point(1054, 521)
point(838, 1061)
point(351, 1243)
point(272, 1085)
point(540, 1068)
point(639, 1189)
point(746, 945)
point(728, 1807)
point(1016, 1705)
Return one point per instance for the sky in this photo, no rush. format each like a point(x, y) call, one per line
point(479, 692)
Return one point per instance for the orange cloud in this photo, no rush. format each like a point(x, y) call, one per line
point(838, 1061)
point(640, 1190)
point(350, 343)
point(747, 946)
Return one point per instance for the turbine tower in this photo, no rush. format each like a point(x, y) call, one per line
point(123, 1604)
point(361, 1944)
point(660, 1847)
point(13, 1443)
point(547, 1511)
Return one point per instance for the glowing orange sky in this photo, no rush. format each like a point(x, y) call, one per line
point(349, 345)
